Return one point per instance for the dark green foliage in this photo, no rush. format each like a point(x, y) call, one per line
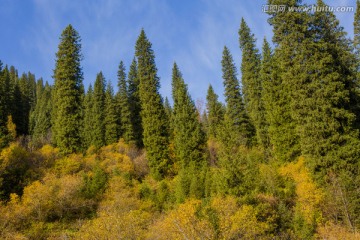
point(267, 91)
point(321, 100)
point(237, 118)
point(87, 131)
point(5, 96)
point(251, 82)
point(155, 136)
point(110, 120)
point(327, 111)
point(68, 89)
point(315, 93)
point(134, 102)
point(94, 185)
point(191, 182)
point(189, 139)
point(289, 32)
point(215, 112)
point(123, 104)
point(27, 87)
point(4, 104)
point(98, 129)
point(169, 117)
point(40, 118)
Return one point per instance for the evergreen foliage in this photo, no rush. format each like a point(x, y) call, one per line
point(155, 135)
point(134, 102)
point(236, 116)
point(110, 120)
point(89, 121)
point(68, 76)
point(215, 112)
point(41, 115)
point(251, 82)
point(98, 114)
point(289, 31)
point(126, 126)
point(189, 139)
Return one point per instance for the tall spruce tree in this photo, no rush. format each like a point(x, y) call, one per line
point(268, 89)
point(169, 117)
point(68, 89)
point(155, 135)
point(134, 102)
point(215, 112)
point(89, 121)
point(357, 62)
point(324, 104)
point(126, 126)
point(189, 139)
point(39, 90)
point(5, 96)
point(110, 120)
point(3, 107)
point(41, 116)
point(242, 129)
point(98, 111)
point(24, 101)
point(290, 29)
point(251, 82)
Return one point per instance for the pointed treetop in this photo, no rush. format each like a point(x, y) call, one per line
point(122, 77)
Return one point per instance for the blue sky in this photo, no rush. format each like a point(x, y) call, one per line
point(190, 32)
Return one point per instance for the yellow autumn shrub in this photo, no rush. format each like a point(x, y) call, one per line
point(182, 223)
point(237, 222)
point(68, 165)
point(119, 215)
point(332, 231)
point(309, 196)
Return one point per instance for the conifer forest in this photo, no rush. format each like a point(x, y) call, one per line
point(279, 158)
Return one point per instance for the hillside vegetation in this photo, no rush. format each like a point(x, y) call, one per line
point(278, 160)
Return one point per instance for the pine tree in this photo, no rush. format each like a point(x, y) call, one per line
point(39, 88)
point(267, 90)
point(68, 76)
point(89, 121)
point(251, 82)
point(169, 116)
point(324, 105)
point(155, 136)
point(110, 121)
point(134, 102)
point(98, 112)
point(20, 107)
point(242, 129)
point(126, 126)
point(5, 96)
point(189, 139)
point(24, 101)
point(290, 30)
point(41, 116)
point(356, 107)
point(215, 112)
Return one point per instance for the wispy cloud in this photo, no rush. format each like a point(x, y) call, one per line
point(192, 33)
